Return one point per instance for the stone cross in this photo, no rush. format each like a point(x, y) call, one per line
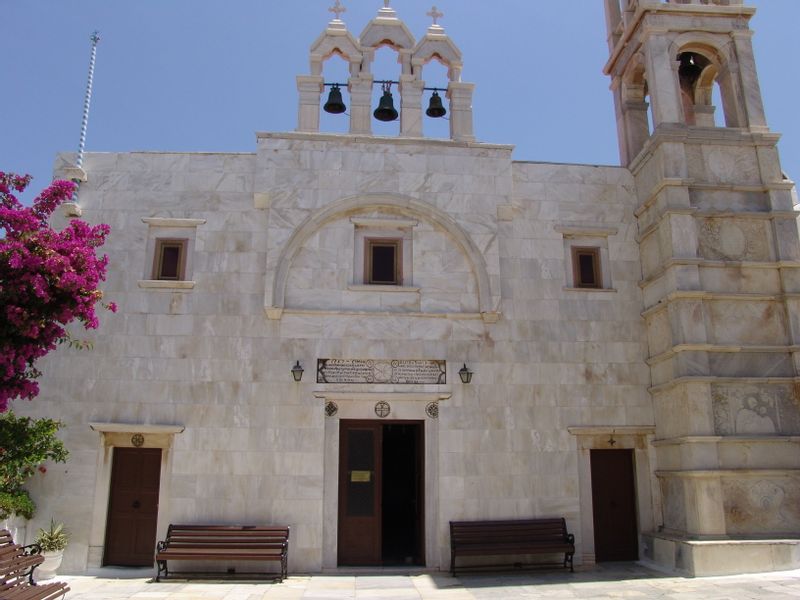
point(337, 9)
point(435, 14)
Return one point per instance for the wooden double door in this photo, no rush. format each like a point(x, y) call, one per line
point(381, 493)
point(133, 507)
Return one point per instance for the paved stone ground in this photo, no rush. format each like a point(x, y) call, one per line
point(623, 580)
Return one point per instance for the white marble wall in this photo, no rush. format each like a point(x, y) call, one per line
point(209, 359)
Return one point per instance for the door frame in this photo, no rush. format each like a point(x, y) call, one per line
point(404, 407)
point(121, 435)
point(648, 508)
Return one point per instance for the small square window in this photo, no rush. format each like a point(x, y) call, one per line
point(383, 261)
point(586, 267)
point(169, 261)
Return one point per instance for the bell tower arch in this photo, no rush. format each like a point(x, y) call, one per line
point(683, 47)
point(720, 258)
point(385, 30)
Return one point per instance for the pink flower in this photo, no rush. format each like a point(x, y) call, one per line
point(48, 278)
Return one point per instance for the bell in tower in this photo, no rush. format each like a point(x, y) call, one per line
point(386, 110)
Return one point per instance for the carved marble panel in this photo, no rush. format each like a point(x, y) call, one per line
point(755, 409)
point(737, 240)
point(761, 505)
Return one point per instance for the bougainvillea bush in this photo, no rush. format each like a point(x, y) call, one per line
point(48, 279)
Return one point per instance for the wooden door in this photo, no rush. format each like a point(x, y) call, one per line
point(614, 505)
point(133, 507)
point(360, 493)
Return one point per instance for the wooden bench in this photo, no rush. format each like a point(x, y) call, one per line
point(518, 537)
point(224, 543)
point(17, 564)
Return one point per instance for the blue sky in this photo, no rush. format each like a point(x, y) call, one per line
point(202, 75)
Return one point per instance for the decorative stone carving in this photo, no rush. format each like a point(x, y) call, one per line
point(728, 239)
point(432, 410)
point(755, 410)
point(761, 505)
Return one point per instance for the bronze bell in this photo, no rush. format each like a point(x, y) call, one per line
point(435, 107)
point(385, 110)
point(335, 105)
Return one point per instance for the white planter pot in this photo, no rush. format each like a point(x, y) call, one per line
point(47, 570)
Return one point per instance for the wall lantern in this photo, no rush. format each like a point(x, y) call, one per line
point(297, 371)
point(465, 374)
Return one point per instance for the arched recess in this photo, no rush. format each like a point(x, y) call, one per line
point(439, 48)
point(275, 293)
point(635, 117)
point(387, 30)
point(713, 63)
point(342, 44)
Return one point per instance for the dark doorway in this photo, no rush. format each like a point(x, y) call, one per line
point(133, 507)
point(402, 494)
point(614, 505)
point(381, 495)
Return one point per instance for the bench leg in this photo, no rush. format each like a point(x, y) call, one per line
point(568, 559)
point(452, 563)
point(162, 569)
point(284, 567)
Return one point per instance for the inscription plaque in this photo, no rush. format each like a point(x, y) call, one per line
point(357, 370)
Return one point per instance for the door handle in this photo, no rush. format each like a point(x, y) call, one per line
point(136, 504)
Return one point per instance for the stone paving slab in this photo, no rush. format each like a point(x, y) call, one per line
point(619, 581)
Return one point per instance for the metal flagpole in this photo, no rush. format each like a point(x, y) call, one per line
point(95, 38)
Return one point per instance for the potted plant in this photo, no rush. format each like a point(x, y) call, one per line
point(52, 541)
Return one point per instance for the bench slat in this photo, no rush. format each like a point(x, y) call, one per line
point(17, 564)
point(50, 591)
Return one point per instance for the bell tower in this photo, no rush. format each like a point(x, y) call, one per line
point(720, 259)
point(386, 29)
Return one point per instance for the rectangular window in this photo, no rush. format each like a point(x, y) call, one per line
point(586, 267)
point(383, 261)
point(170, 260)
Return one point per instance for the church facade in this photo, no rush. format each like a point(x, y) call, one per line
point(367, 337)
